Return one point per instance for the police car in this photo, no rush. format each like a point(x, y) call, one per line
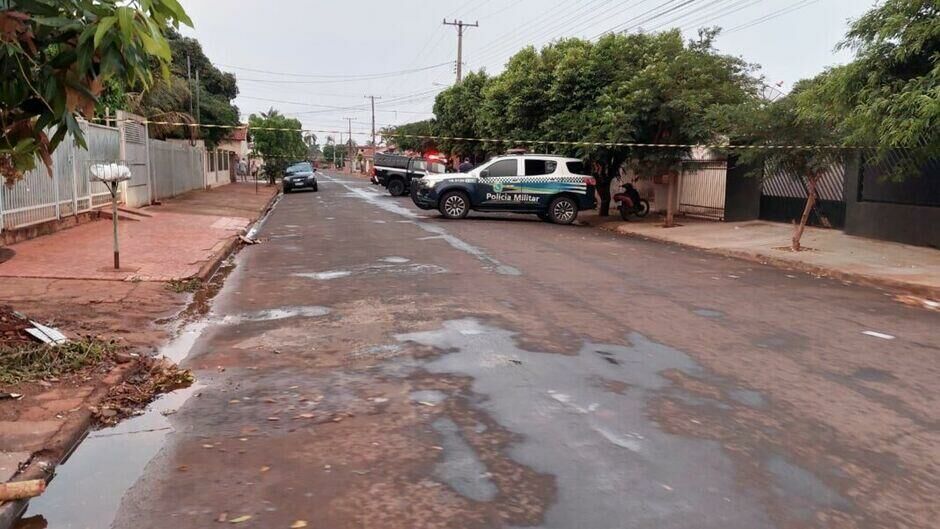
point(552, 187)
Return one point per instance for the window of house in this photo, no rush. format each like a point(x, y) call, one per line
point(503, 168)
point(539, 167)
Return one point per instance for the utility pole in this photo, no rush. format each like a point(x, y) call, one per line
point(189, 82)
point(349, 145)
point(460, 24)
point(334, 152)
point(373, 98)
point(198, 121)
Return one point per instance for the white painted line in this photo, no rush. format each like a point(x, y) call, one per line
point(876, 334)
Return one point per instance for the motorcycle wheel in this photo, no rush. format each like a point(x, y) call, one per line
point(643, 208)
point(624, 212)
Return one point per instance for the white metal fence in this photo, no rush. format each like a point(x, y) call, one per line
point(175, 169)
point(164, 168)
point(39, 197)
point(702, 188)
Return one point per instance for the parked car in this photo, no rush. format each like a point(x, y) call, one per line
point(552, 187)
point(397, 171)
point(299, 175)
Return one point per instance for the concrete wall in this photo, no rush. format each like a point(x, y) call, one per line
point(918, 225)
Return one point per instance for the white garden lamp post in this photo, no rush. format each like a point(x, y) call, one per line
point(111, 174)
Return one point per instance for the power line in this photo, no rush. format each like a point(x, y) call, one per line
point(718, 14)
point(770, 16)
point(350, 79)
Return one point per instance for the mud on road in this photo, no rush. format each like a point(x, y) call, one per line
point(370, 365)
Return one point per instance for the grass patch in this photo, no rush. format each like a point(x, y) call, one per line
point(31, 362)
point(181, 286)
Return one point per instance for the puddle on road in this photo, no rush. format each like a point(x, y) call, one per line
point(805, 491)
point(374, 270)
point(381, 201)
point(461, 469)
point(611, 461)
point(88, 488)
point(280, 313)
point(431, 396)
point(709, 313)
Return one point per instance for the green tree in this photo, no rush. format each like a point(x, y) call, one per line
point(888, 98)
point(57, 57)
point(799, 120)
point(458, 116)
point(170, 101)
point(313, 149)
point(277, 147)
point(407, 137)
point(642, 88)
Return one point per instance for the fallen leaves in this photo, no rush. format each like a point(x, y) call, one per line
point(240, 519)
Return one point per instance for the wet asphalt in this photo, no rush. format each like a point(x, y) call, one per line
point(370, 365)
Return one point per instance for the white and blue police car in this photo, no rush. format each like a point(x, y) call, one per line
point(552, 187)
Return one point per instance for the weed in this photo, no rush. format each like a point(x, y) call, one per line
point(30, 362)
point(184, 285)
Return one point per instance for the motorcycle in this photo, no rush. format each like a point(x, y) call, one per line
point(630, 203)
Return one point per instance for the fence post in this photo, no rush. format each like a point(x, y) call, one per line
point(74, 166)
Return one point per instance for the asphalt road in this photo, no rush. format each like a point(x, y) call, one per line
point(374, 366)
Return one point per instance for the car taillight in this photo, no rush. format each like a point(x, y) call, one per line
point(590, 181)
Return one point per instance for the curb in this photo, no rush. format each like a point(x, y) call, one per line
point(816, 270)
point(43, 463)
point(211, 266)
point(63, 443)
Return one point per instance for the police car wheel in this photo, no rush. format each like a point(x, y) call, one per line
point(396, 187)
point(563, 210)
point(454, 205)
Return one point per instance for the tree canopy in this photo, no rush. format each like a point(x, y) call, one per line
point(56, 59)
point(171, 99)
point(277, 147)
point(647, 88)
point(888, 98)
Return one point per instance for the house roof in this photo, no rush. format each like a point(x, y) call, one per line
point(239, 134)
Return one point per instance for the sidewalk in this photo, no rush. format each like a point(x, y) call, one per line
point(173, 241)
point(63, 279)
point(832, 253)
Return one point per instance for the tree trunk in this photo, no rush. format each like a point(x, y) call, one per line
point(671, 201)
point(810, 202)
point(603, 190)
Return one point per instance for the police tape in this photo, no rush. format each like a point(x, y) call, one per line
point(714, 146)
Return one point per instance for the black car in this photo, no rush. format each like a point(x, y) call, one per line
point(299, 175)
point(397, 171)
point(553, 188)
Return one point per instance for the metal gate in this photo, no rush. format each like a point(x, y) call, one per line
point(137, 157)
point(702, 188)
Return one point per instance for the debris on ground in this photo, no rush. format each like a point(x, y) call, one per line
point(30, 361)
point(184, 286)
point(21, 490)
point(13, 326)
point(155, 377)
point(45, 334)
point(916, 301)
point(248, 240)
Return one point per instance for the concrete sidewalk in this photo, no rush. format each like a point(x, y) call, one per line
point(828, 252)
point(176, 240)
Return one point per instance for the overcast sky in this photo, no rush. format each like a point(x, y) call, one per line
point(307, 57)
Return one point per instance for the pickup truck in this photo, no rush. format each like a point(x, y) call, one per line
point(396, 171)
